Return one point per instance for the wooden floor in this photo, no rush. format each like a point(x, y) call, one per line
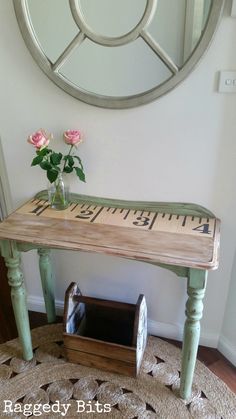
point(209, 356)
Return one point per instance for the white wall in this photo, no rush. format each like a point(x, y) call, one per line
point(227, 342)
point(179, 148)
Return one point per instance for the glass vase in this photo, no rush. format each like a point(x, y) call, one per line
point(58, 193)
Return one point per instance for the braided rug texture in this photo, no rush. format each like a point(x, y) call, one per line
point(153, 394)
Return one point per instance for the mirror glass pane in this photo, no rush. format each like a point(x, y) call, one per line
point(124, 70)
point(168, 28)
point(116, 71)
point(53, 25)
point(112, 17)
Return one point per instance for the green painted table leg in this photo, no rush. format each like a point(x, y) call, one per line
point(47, 283)
point(18, 297)
point(194, 307)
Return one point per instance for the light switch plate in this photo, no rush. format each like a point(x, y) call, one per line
point(227, 82)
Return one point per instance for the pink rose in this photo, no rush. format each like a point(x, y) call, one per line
point(40, 139)
point(72, 137)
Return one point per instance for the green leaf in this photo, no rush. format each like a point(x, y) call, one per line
point(45, 165)
point(71, 161)
point(68, 169)
point(80, 174)
point(44, 151)
point(36, 160)
point(55, 158)
point(79, 160)
point(52, 175)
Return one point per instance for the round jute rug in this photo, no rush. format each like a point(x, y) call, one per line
point(50, 387)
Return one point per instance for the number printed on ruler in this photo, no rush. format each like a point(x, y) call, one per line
point(123, 217)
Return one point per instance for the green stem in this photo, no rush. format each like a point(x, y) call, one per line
point(71, 147)
point(58, 194)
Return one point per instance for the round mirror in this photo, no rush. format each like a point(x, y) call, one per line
point(117, 53)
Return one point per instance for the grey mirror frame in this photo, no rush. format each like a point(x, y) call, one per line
point(113, 102)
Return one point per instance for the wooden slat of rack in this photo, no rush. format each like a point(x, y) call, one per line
point(198, 251)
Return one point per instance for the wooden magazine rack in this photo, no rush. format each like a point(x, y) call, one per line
point(104, 334)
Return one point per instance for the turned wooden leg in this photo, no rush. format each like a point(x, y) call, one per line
point(194, 307)
point(47, 283)
point(18, 297)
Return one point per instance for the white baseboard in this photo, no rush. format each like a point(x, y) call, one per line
point(227, 349)
point(165, 330)
point(175, 331)
point(37, 304)
point(209, 339)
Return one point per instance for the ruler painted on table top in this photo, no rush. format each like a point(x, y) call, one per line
point(124, 217)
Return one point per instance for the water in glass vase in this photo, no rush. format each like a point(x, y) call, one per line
point(58, 193)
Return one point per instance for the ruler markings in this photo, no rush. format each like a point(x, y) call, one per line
point(144, 220)
point(75, 206)
point(84, 214)
point(126, 215)
point(153, 221)
point(42, 210)
point(96, 215)
point(36, 209)
point(141, 221)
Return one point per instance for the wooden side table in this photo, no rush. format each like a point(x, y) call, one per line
point(183, 238)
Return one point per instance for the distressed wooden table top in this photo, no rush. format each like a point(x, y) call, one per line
point(131, 231)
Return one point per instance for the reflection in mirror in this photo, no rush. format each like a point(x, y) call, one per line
point(115, 48)
point(120, 71)
point(53, 30)
point(112, 17)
